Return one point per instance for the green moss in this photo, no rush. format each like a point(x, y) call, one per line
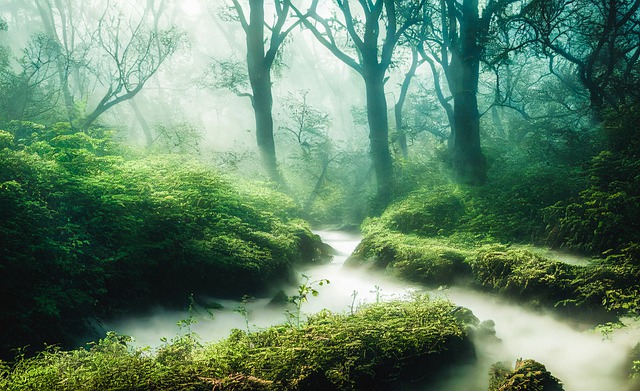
point(633, 368)
point(427, 212)
point(523, 274)
point(88, 233)
point(373, 347)
point(412, 257)
point(609, 284)
point(596, 292)
point(528, 375)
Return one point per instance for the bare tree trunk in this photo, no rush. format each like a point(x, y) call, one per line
point(379, 132)
point(469, 163)
point(148, 137)
point(400, 125)
point(260, 78)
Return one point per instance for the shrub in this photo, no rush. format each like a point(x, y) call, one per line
point(427, 212)
point(604, 216)
point(88, 234)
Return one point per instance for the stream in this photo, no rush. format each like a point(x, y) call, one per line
point(584, 360)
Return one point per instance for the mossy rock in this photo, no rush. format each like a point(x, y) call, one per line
point(376, 346)
point(528, 375)
point(524, 274)
point(411, 257)
point(371, 349)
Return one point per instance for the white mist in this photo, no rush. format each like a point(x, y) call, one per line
point(582, 360)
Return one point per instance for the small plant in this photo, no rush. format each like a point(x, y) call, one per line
point(377, 290)
point(242, 310)
point(185, 324)
point(304, 290)
point(353, 307)
point(608, 329)
point(188, 340)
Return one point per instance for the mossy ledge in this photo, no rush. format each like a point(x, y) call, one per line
point(371, 349)
point(598, 292)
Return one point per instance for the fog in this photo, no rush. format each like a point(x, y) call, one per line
point(182, 91)
point(583, 359)
point(174, 77)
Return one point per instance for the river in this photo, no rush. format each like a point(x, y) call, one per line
point(584, 360)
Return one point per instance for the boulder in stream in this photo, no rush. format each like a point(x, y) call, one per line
point(527, 375)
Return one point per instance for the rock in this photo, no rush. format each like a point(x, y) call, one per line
point(527, 375)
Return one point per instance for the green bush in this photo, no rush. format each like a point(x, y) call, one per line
point(427, 212)
point(88, 233)
point(605, 215)
point(509, 208)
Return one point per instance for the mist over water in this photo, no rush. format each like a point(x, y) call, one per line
point(583, 360)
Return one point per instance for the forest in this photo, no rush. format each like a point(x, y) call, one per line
point(217, 159)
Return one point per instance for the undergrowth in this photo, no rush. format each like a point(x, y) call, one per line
point(369, 349)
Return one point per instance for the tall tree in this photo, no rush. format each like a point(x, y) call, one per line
point(261, 56)
point(454, 36)
point(469, 162)
point(401, 125)
point(372, 30)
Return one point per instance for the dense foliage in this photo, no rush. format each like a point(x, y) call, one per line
point(440, 232)
point(87, 232)
point(604, 217)
point(373, 348)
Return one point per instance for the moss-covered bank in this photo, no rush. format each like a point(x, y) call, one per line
point(610, 284)
point(369, 350)
point(89, 230)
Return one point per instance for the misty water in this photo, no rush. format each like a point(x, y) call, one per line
point(583, 359)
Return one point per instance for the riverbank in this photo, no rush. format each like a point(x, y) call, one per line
point(571, 351)
point(369, 349)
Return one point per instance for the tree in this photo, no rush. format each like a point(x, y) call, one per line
point(600, 39)
point(131, 50)
point(120, 52)
point(308, 128)
point(59, 22)
point(372, 32)
point(34, 92)
point(401, 126)
point(260, 62)
point(453, 42)
point(455, 36)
